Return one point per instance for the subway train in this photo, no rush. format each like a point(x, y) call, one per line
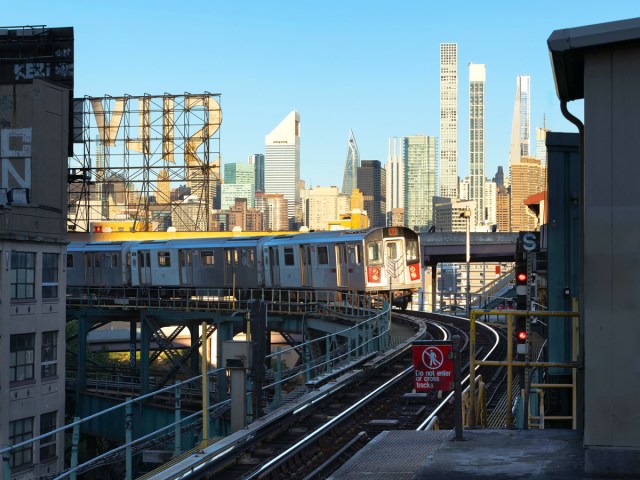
point(374, 260)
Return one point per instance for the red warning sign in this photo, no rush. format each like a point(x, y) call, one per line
point(433, 367)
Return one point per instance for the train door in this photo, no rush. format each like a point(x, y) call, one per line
point(341, 265)
point(92, 268)
point(144, 267)
point(394, 260)
point(230, 260)
point(305, 266)
point(186, 267)
point(275, 266)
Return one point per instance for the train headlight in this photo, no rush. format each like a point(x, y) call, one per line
point(414, 271)
point(373, 274)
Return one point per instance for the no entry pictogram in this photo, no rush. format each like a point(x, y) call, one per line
point(433, 367)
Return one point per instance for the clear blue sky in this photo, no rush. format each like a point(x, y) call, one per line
point(371, 66)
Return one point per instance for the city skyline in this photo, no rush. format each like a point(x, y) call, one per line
point(338, 74)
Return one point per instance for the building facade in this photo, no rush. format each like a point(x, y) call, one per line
point(448, 214)
point(449, 120)
point(477, 81)
point(372, 182)
point(282, 163)
point(257, 160)
point(520, 125)
point(275, 211)
point(34, 137)
point(394, 169)
point(503, 208)
point(240, 173)
point(323, 204)
point(231, 191)
point(528, 177)
point(419, 155)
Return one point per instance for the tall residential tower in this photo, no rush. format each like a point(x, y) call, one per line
point(520, 126)
point(449, 120)
point(282, 163)
point(477, 80)
point(395, 181)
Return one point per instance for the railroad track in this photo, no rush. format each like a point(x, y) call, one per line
point(321, 433)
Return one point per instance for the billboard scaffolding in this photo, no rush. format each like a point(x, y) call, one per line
point(148, 162)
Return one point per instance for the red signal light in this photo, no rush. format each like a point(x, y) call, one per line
point(521, 277)
point(522, 335)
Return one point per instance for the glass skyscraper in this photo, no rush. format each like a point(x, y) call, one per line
point(282, 163)
point(351, 164)
point(419, 155)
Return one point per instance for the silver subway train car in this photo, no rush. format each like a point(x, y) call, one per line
point(375, 260)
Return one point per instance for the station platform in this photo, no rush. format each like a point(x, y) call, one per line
point(494, 454)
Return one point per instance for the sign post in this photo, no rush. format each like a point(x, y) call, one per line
point(434, 364)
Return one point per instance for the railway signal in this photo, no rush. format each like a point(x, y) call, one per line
point(521, 334)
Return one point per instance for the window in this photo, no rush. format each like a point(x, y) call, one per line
point(21, 357)
point(96, 260)
point(69, 260)
point(392, 250)
point(48, 444)
point(49, 275)
point(164, 259)
point(358, 254)
point(252, 257)
point(115, 260)
point(412, 251)
point(49, 354)
point(323, 256)
point(87, 259)
point(228, 257)
point(374, 252)
point(288, 256)
point(235, 256)
point(141, 259)
point(21, 431)
point(207, 259)
point(23, 276)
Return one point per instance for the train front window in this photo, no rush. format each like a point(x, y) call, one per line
point(412, 251)
point(288, 256)
point(374, 252)
point(393, 252)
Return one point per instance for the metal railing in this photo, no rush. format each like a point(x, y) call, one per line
point(527, 364)
point(367, 332)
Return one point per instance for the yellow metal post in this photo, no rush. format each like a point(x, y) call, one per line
point(472, 369)
point(205, 388)
point(508, 419)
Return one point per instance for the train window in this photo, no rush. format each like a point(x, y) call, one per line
point(323, 255)
point(374, 252)
point(235, 256)
point(358, 254)
point(128, 259)
point(114, 260)
point(148, 257)
point(164, 259)
point(251, 257)
point(392, 250)
point(412, 250)
point(87, 260)
point(207, 259)
point(288, 256)
point(69, 260)
point(96, 260)
point(228, 257)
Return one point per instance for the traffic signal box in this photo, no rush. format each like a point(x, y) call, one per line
point(520, 331)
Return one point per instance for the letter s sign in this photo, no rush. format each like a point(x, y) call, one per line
point(530, 241)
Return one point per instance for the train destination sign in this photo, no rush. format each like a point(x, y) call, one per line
point(433, 367)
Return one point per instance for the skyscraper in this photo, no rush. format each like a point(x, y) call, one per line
point(282, 163)
point(239, 173)
point(477, 80)
point(351, 164)
point(395, 181)
point(520, 129)
point(449, 120)
point(257, 159)
point(528, 177)
point(372, 182)
point(419, 154)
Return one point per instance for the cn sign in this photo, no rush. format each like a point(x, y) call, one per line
point(433, 367)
